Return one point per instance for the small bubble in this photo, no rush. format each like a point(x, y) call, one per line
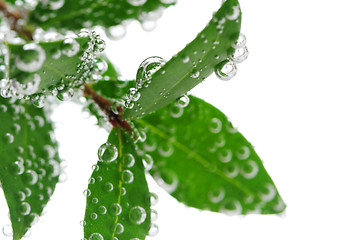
point(136, 2)
point(216, 195)
point(96, 236)
point(225, 155)
point(249, 169)
point(24, 208)
point(17, 167)
point(185, 59)
point(9, 138)
point(153, 215)
point(127, 176)
point(146, 69)
point(243, 153)
point(116, 32)
point(137, 215)
point(129, 160)
point(153, 198)
point(31, 177)
point(87, 192)
point(167, 180)
point(107, 152)
point(95, 200)
point(183, 101)
point(238, 55)
point(215, 125)
point(239, 41)
point(93, 216)
point(231, 207)
point(119, 228)
point(234, 15)
point(108, 187)
point(82, 223)
point(31, 59)
point(195, 74)
point(147, 162)
point(70, 47)
point(7, 231)
point(154, 230)
point(116, 209)
point(226, 70)
point(102, 210)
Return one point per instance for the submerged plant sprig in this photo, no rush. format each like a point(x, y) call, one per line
point(188, 146)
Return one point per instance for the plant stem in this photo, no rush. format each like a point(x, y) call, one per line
point(13, 17)
point(106, 106)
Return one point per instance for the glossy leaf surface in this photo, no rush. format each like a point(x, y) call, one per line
point(118, 199)
point(193, 64)
point(30, 165)
point(204, 162)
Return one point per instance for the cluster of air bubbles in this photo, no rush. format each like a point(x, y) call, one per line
point(227, 69)
point(27, 84)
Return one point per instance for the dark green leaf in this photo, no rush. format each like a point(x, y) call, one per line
point(118, 202)
point(204, 162)
point(49, 67)
point(74, 15)
point(193, 64)
point(29, 167)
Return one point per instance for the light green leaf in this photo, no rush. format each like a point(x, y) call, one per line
point(204, 162)
point(193, 64)
point(118, 199)
point(49, 67)
point(74, 15)
point(30, 165)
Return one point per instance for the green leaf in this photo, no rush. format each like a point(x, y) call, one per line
point(193, 64)
point(204, 162)
point(30, 165)
point(49, 67)
point(74, 15)
point(118, 199)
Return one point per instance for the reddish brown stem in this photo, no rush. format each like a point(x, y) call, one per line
point(14, 16)
point(106, 106)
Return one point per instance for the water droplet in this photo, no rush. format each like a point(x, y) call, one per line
point(215, 125)
point(119, 229)
point(216, 195)
point(185, 59)
point(107, 152)
point(38, 101)
point(243, 153)
point(129, 160)
point(17, 167)
point(31, 59)
point(238, 55)
point(137, 215)
point(249, 169)
point(101, 66)
point(82, 223)
point(176, 111)
point(226, 70)
point(33, 219)
point(96, 236)
point(154, 230)
point(153, 215)
point(21, 196)
point(147, 162)
point(195, 74)
point(116, 32)
point(24, 208)
point(116, 209)
point(127, 176)
point(95, 200)
point(231, 170)
point(31, 85)
point(231, 207)
point(91, 180)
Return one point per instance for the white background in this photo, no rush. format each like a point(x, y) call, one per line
point(297, 99)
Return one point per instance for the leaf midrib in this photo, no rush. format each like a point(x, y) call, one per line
point(197, 157)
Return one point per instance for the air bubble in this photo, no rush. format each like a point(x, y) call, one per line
point(24, 208)
point(93, 216)
point(9, 138)
point(249, 170)
point(215, 125)
point(101, 66)
point(176, 111)
point(65, 95)
point(231, 207)
point(243, 153)
point(107, 152)
point(216, 195)
point(102, 210)
point(116, 209)
point(195, 74)
point(129, 160)
point(17, 167)
point(7, 231)
point(30, 87)
point(183, 101)
point(136, 2)
point(87, 192)
point(225, 155)
point(154, 230)
point(116, 32)
point(167, 180)
point(54, 4)
point(127, 176)
point(31, 177)
point(119, 228)
point(269, 194)
point(185, 59)
point(153, 198)
point(226, 70)
point(96, 236)
point(32, 58)
point(137, 215)
point(147, 162)
point(146, 69)
point(238, 55)
point(234, 15)
point(108, 187)
point(239, 41)
point(70, 47)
